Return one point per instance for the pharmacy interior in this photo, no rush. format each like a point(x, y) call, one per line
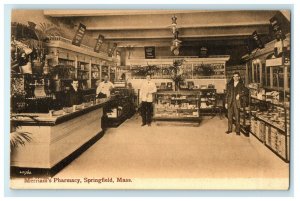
point(190, 55)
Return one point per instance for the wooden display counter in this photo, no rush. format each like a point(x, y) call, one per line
point(56, 140)
point(177, 106)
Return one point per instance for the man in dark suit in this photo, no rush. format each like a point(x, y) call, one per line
point(75, 94)
point(236, 91)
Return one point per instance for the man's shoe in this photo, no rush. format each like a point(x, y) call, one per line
point(143, 125)
point(228, 132)
point(238, 133)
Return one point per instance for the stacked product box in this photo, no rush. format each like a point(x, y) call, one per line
point(281, 144)
point(253, 125)
point(261, 133)
point(268, 135)
point(257, 129)
point(113, 113)
point(273, 143)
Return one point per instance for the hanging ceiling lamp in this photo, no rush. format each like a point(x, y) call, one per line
point(174, 24)
point(176, 43)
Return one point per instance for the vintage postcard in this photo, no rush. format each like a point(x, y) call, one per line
point(150, 99)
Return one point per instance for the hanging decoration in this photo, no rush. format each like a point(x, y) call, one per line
point(176, 43)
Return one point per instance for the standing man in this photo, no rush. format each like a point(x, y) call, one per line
point(146, 94)
point(75, 94)
point(235, 93)
point(104, 88)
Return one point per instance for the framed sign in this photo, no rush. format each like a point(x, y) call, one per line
point(150, 52)
point(203, 52)
point(79, 35)
point(99, 42)
point(257, 40)
point(280, 25)
point(112, 49)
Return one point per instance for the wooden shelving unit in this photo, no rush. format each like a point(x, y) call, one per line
point(268, 80)
point(80, 63)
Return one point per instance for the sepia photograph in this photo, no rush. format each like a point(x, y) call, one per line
point(150, 99)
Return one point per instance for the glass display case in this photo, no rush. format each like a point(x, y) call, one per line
point(278, 77)
point(177, 106)
point(121, 107)
point(245, 120)
point(270, 123)
point(208, 101)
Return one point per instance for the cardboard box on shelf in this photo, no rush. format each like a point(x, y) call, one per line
point(273, 138)
point(262, 134)
point(268, 135)
point(281, 144)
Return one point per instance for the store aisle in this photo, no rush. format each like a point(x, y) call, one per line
point(176, 151)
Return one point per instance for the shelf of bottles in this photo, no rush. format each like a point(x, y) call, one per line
point(112, 74)
point(104, 71)
point(176, 106)
point(83, 74)
point(63, 73)
point(95, 75)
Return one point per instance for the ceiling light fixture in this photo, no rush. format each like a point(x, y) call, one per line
point(174, 24)
point(176, 43)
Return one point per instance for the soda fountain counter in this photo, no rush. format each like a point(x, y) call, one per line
point(56, 137)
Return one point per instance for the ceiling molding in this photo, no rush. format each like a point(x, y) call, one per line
point(220, 42)
point(120, 12)
point(181, 36)
point(124, 28)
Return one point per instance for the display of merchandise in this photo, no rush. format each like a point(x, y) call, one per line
point(104, 71)
point(245, 122)
point(120, 107)
point(176, 105)
point(270, 124)
point(112, 74)
point(189, 71)
point(207, 99)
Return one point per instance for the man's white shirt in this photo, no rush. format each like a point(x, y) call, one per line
point(147, 90)
point(105, 87)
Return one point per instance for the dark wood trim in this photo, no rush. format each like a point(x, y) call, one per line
point(275, 152)
point(60, 119)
